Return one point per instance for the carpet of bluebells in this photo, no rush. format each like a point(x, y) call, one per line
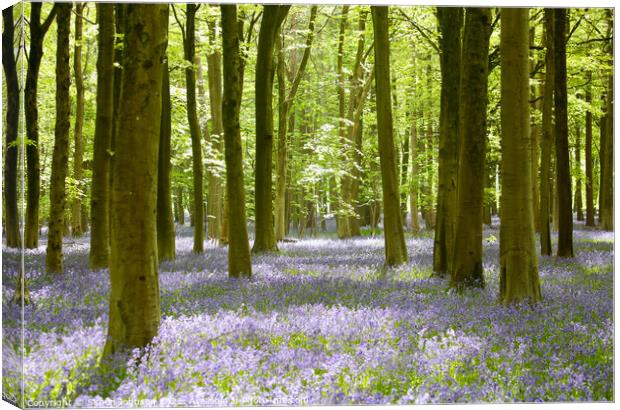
point(322, 322)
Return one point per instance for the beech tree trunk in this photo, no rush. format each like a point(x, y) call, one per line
point(546, 183)
point(467, 260)
point(99, 205)
point(33, 172)
point(60, 158)
point(450, 25)
point(578, 205)
point(395, 248)
point(562, 164)
point(284, 117)
point(414, 178)
point(518, 262)
point(588, 153)
point(194, 127)
point(214, 198)
point(607, 179)
point(134, 280)
point(11, 216)
point(264, 232)
point(239, 262)
point(78, 149)
point(165, 221)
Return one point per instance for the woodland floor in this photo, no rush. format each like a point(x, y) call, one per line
point(319, 323)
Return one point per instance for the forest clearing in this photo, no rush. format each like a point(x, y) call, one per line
point(215, 205)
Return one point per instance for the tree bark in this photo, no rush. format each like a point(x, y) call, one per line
point(578, 205)
point(413, 178)
point(239, 262)
point(33, 172)
point(518, 262)
point(395, 249)
point(134, 280)
point(264, 232)
point(165, 221)
point(11, 216)
point(562, 164)
point(546, 184)
point(588, 154)
point(78, 149)
point(607, 180)
point(214, 198)
point(100, 186)
point(467, 261)
point(60, 158)
point(284, 117)
point(189, 49)
point(450, 25)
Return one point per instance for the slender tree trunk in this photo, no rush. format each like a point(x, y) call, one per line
point(588, 149)
point(342, 210)
point(602, 155)
point(60, 158)
point(99, 209)
point(467, 260)
point(134, 279)
point(33, 172)
point(78, 150)
point(264, 236)
point(239, 262)
point(562, 174)
point(518, 262)
point(165, 222)
point(395, 249)
point(179, 206)
point(450, 23)
point(607, 180)
point(413, 178)
point(214, 198)
point(546, 183)
point(13, 236)
point(284, 117)
point(192, 117)
point(578, 191)
point(535, 135)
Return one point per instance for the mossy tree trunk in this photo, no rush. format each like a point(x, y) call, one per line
point(134, 299)
point(607, 180)
point(60, 157)
point(11, 216)
point(284, 118)
point(78, 139)
point(450, 25)
point(264, 232)
point(33, 172)
point(546, 183)
point(467, 251)
point(394, 237)
point(413, 178)
point(165, 220)
point(239, 262)
point(518, 261)
point(100, 186)
point(562, 163)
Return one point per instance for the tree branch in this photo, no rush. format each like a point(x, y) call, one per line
point(419, 29)
point(48, 21)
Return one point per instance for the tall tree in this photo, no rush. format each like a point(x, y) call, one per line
point(100, 186)
point(578, 203)
point(264, 233)
point(134, 299)
point(607, 179)
point(467, 260)
point(189, 52)
point(394, 237)
point(13, 237)
point(588, 154)
point(450, 25)
point(284, 108)
point(60, 158)
point(239, 262)
point(214, 196)
point(165, 221)
point(518, 261)
point(546, 185)
point(33, 172)
point(562, 163)
point(413, 178)
point(78, 139)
